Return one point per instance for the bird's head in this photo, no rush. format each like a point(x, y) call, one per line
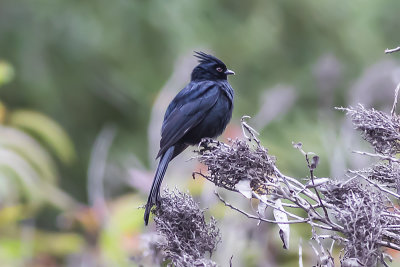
point(210, 68)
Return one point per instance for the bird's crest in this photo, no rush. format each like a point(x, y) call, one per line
point(206, 58)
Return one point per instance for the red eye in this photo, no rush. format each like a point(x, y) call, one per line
point(219, 69)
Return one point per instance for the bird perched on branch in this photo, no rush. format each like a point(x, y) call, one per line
point(202, 109)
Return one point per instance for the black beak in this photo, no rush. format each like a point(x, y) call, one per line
point(229, 72)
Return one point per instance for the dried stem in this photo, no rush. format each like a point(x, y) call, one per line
point(316, 191)
point(396, 96)
point(389, 51)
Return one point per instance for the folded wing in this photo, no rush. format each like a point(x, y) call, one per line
point(186, 115)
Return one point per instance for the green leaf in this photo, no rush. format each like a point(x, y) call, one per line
point(30, 150)
point(28, 172)
point(18, 180)
point(27, 177)
point(47, 131)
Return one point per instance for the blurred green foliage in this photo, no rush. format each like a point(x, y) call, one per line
point(28, 180)
point(73, 66)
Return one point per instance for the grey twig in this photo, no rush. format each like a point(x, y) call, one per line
point(311, 168)
point(300, 253)
point(396, 96)
point(380, 187)
point(377, 155)
point(250, 216)
point(389, 51)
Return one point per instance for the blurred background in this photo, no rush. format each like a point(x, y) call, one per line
point(84, 86)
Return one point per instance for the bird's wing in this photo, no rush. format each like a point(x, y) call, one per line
point(191, 92)
point(186, 116)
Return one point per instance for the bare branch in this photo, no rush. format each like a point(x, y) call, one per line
point(389, 51)
point(375, 184)
point(396, 96)
point(377, 155)
point(311, 168)
point(300, 253)
point(250, 216)
point(389, 245)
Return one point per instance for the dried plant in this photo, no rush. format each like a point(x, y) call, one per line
point(356, 213)
point(387, 173)
point(229, 164)
point(188, 237)
point(381, 130)
point(360, 210)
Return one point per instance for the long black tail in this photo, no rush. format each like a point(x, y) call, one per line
point(158, 177)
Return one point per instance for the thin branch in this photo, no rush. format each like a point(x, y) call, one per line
point(383, 255)
point(250, 130)
point(392, 236)
point(276, 208)
point(396, 96)
point(300, 253)
point(383, 262)
point(391, 227)
point(316, 191)
point(375, 184)
point(334, 237)
point(389, 51)
point(376, 155)
point(250, 216)
point(389, 244)
point(391, 214)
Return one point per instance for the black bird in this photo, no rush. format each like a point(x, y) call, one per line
point(202, 109)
